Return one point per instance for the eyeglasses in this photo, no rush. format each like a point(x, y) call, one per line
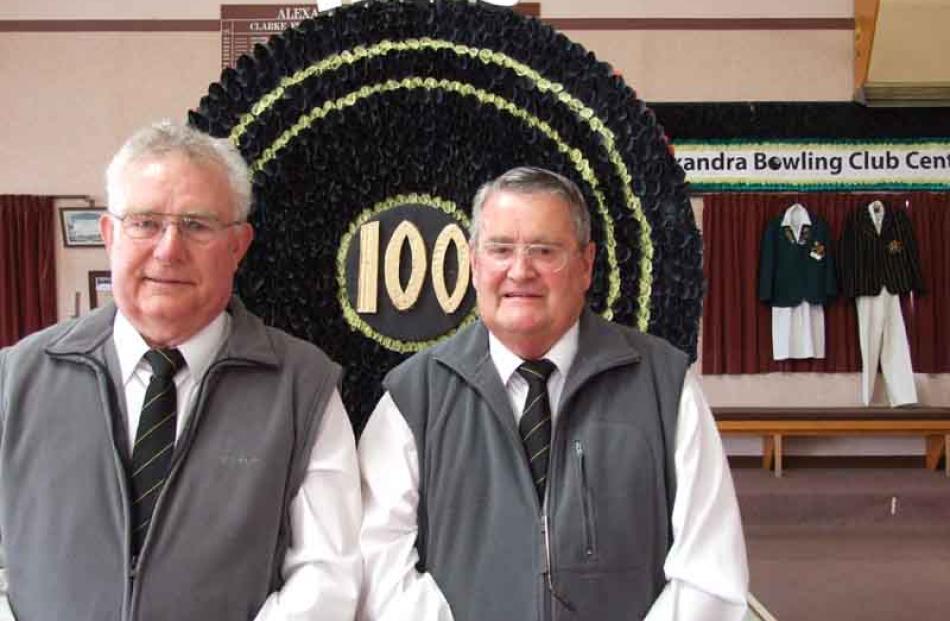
point(548, 258)
point(200, 229)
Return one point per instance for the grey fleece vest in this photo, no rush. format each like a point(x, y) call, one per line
point(598, 554)
point(220, 527)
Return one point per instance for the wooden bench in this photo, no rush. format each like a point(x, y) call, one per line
point(933, 423)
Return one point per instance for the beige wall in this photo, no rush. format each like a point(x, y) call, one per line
point(204, 9)
point(72, 97)
point(728, 65)
point(924, 24)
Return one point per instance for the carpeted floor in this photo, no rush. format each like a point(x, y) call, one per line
point(842, 544)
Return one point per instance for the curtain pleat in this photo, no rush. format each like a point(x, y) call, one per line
point(737, 327)
point(929, 327)
point(27, 266)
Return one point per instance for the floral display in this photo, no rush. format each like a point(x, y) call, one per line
point(378, 99)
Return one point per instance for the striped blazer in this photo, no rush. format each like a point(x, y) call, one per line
point(868, 260)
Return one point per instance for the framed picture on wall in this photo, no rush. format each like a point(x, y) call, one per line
point(81, 226)
point(100, 288)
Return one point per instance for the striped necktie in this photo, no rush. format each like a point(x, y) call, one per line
point(154, 440)
point(535, 424)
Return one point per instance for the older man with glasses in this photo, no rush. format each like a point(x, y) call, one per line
point(544, 463)
point(170, 456)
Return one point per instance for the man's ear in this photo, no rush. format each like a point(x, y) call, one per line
point(587, 255)
point(473, 264)
point(241, 241)
point(106, 230)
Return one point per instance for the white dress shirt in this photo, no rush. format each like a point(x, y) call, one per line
point(322, 569)
point(705, 567)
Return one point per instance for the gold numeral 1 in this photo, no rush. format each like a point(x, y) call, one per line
point(368, 282)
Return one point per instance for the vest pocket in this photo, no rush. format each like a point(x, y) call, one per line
point(586, 503)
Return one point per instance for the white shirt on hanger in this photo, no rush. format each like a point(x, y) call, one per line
point(798, 331)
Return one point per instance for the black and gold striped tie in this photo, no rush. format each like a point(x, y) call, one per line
point(535, 424)
point(154, 440)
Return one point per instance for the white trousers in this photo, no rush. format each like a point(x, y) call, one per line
point(798, 332)
point(884, 338)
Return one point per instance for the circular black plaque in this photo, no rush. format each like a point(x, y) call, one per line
point(375, 102)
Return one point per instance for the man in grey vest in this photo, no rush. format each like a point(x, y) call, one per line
point(170, 456)
point(544, 463)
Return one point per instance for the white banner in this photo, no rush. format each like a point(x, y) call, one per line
point(796, 165)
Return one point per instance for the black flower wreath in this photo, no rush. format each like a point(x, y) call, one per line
point(429, 100)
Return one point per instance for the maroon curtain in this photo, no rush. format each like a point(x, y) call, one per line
point(928, 315)
point(737, 328)
point(27, 266)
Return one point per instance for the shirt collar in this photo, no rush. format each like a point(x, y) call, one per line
point(797, 207)
point(198, 351)
point(562, 354)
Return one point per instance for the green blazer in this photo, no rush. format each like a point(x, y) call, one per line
point(794, 271)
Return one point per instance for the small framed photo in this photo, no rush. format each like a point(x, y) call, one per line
point(81, 226)
point(100, 288)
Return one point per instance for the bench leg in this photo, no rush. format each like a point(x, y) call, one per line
point(772, 452)
point(768, 451)
point(778, 454)
point(935, 450)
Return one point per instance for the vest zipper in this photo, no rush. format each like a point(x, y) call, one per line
point(133, 574)
point(556, 596)
point(548, 574)
point(588, 525)
point(547, 552)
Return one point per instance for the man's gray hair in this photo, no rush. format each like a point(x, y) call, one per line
point(532, 180)
point(166, 138)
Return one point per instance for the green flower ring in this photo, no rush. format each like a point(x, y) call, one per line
point(349, 313)
point(581, 164)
